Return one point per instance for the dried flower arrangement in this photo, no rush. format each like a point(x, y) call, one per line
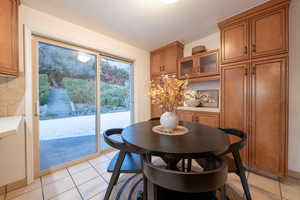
point(169, 94)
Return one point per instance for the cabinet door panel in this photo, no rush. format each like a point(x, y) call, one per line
point(8, 37)
point(156, 63)
point(185, 116)
point(269, 116)
point(234, 42)
point(208, 120)
point(170, 58)
point(235, 81)
point(269, 33)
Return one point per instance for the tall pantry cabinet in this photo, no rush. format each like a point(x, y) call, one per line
point(254, 76)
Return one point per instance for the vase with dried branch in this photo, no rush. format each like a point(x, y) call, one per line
point(168, 94)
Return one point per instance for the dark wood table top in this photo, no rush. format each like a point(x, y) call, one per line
point(200, 141)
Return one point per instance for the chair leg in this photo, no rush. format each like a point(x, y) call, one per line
point(189, 165)
point(241, 173)
point(115, 176)
point(223, 193)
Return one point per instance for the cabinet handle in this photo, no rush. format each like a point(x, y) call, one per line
point(245, 50)
point(254, 70)
point(246, 72)
point(253, 48)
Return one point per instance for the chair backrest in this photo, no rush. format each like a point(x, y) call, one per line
point(115, 142)
point(154, 118)
point(188, 182)
point(236, 146)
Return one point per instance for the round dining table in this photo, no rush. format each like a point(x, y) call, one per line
point(199, 141)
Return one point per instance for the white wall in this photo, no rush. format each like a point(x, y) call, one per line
point(52, 27)
point(213, 41)
point(56, 28)
point(294, 101)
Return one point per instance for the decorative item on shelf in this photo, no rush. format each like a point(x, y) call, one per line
point(169, 94)
point(208, 98)
point(190, 98)
point(198, 49)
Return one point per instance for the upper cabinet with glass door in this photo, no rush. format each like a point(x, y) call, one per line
point(201, 65)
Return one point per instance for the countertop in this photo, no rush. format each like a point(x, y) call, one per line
point(203, 109)
point(9, 125)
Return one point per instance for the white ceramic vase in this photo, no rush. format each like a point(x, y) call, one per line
point(169, 121)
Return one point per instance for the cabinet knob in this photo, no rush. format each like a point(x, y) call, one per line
point(245, 50)
point(253, 48)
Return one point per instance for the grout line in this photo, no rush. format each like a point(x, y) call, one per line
point(281, 195)
point(42, 188)
point(99, 174)
point(75, 184)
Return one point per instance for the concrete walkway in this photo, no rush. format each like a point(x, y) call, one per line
point(81, 125)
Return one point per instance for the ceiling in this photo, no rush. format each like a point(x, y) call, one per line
point(147, 24)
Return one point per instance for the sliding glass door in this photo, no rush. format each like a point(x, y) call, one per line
point(116, 98)
point(79, 95)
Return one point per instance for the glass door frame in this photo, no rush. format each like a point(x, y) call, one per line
point(35, 97)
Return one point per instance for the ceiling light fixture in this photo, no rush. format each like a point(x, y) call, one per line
point(168, 1)
point(83, 57)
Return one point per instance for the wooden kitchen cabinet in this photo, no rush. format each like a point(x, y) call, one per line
point(269, 33)
point(235, 42)
point(234, 104)
point(9, 37)
point(164, 60)
point(269, 116)
point(255, 86)
point(205, 118)
point(258, 32)
point(201, 65)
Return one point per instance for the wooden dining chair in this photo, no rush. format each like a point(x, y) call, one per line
point(235, 164)
point(124, 161)
point(186, 185)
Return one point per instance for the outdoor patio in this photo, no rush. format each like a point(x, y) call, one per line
point(66, 139)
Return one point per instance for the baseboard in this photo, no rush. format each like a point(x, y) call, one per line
point(294, 174)
point(2, 190)
point(13, 186)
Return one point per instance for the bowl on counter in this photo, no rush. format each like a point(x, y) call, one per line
point(192, 102)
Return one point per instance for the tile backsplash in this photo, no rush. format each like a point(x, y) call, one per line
point(12, 96)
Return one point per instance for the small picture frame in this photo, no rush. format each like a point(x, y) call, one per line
point(209, 98)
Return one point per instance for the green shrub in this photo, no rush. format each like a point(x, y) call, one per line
point(81, 91)
point(43, 89)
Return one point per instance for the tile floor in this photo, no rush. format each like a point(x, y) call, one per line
point(88, 181)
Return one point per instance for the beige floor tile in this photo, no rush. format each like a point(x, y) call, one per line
point(84, 176)
point(79, 167)
point(264, 184)
point(99, 160)
point(32, 195)
point(68, 195)
point(107, 176)
point(53, 189)
point(260, 194)
point(1, 197)
point(92, 188)
point(102, 167)
point(99, 196)
point(290, 189)
point(234, 182)
point(110, 155)
point(35, 185)
point(55, 176)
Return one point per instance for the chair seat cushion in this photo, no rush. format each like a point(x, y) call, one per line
point(131, 164)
